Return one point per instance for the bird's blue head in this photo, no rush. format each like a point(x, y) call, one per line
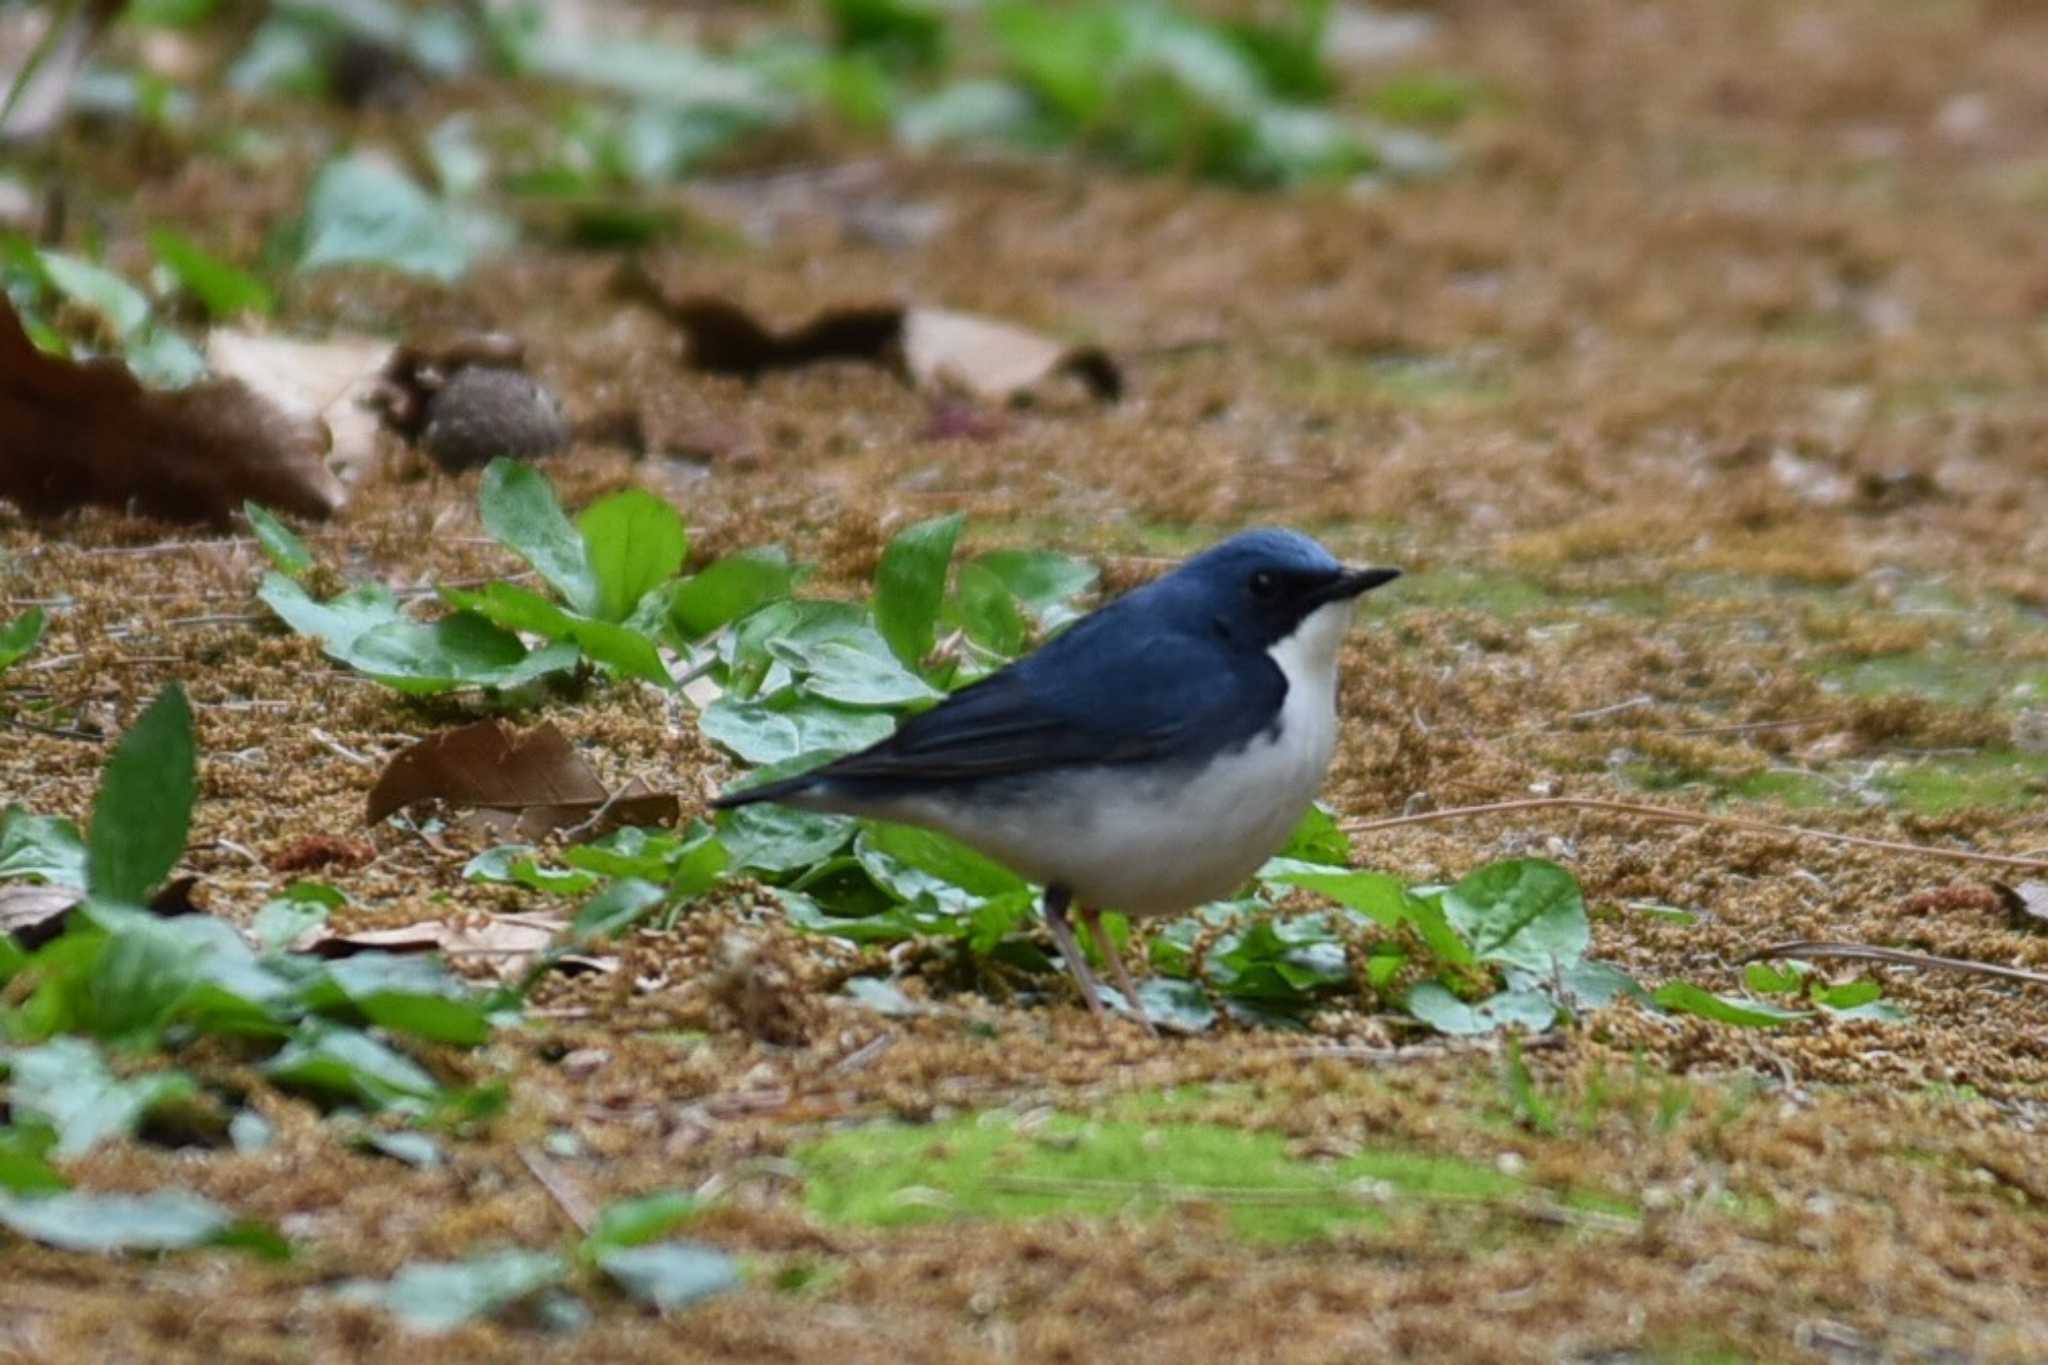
point(1258, 586)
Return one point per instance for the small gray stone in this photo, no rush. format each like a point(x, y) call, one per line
point(485, 411)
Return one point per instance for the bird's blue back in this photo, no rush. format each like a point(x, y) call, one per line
point(1175, 671)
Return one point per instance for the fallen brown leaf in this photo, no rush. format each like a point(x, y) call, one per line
point(35, 914)
point(933, 348)
point(79, 434)
point(528, 784)
point(331, 381)
point(507, 944)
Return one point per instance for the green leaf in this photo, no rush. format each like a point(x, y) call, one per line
point(23, 1167)
point(615, 909)
point(670, 1275)
point(1377, 896)
point(144, 808)
point(227, 292)
point(19, 636)
point(441, 1296)
point(512, 607)
point(1522, 912)
point(300, 909)
point(635, 1222)
point(772, 838)
point(283, 548)
point(1687, 998)
point(1179, 1005)
point(1768, 978)
point(945, 858)
point(162, 359)
point(414, 1149)
point(407, 995)
point(1847, 996)
point(859, 671)
point(123, 307)
point(910, 585)
point(774, 732)
point(633, 542)
point(348, 1065)
point(985, 608)
point(519, 508)
point(365, 629)
point(64, 1084)
point(1317, 839)
point(165, 1220)
point(364, 211)
point(1434, 1005)
point(1044, 581)
point(729, 589)
point(45, 847)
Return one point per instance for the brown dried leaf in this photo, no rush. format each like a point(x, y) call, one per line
point(425, 937)
point(525, 785)
point(2027, 903)
point(487, 764)
point(329, 381)
point(933, 348)
point(508, 944)
point(79, 434)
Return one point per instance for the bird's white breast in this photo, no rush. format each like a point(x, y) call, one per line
point(1162, 842)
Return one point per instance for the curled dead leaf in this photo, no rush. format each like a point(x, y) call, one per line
point(933, 348)
point(330, 381)
point(79, 434)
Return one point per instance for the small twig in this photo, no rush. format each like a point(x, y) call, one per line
point(54, 731)
point(573, 1205)
point(336, 746)
point(1686, 817)
point(1815, 948)
point(1634, 703)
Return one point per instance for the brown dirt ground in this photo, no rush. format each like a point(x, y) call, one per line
point(1740, 292)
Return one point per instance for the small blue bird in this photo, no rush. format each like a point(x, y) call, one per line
point(1147, 760)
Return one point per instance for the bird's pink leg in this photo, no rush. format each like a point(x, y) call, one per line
point(1057, 898)
point(1093, 917)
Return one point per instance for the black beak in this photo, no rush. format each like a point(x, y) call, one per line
point(1353, 582)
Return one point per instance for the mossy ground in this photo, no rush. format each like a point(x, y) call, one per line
point(1706, 397)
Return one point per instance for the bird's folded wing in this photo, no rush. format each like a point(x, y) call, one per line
point(1123, 705)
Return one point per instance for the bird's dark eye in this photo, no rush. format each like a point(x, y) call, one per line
point(1265, 585)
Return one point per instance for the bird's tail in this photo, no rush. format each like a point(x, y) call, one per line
point(766, 791)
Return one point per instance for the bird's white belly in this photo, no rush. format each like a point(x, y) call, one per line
point(1160, 842)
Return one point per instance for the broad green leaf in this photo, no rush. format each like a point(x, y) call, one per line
point(1446, 1013)
point(1044, 581)
point(670, 1275)
point(1769, 978)
point(858, 671)
point(1377, 896)
point(729, 589)
point(1179, 1005)
point(406, 995)
point(19, 636)
point(225, 290)
point(144, 808)
point(165, 1220)
point(910, 585)
point(1687, 998)
point(348, 1065)
point(687, 866)
point(986, 609)
point(633, 542)
point(299, 909)
point(635, 1222)
point(512, 607)
point(280, 545)
point(65, 1085)
point(1847, 996)
point(774, 732)
point(1522, 912)
point(365, 629)
point(772, 838)
point(24, 1167)
point(44, 847)
point(440, 1296)
point(1588, 985)
point(519, 508)
point(123, 307)
point(1280, 963)
point(615, 909)
point(1317, 839)
point(364, 211)
point(942, 857)
point(162, 359)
